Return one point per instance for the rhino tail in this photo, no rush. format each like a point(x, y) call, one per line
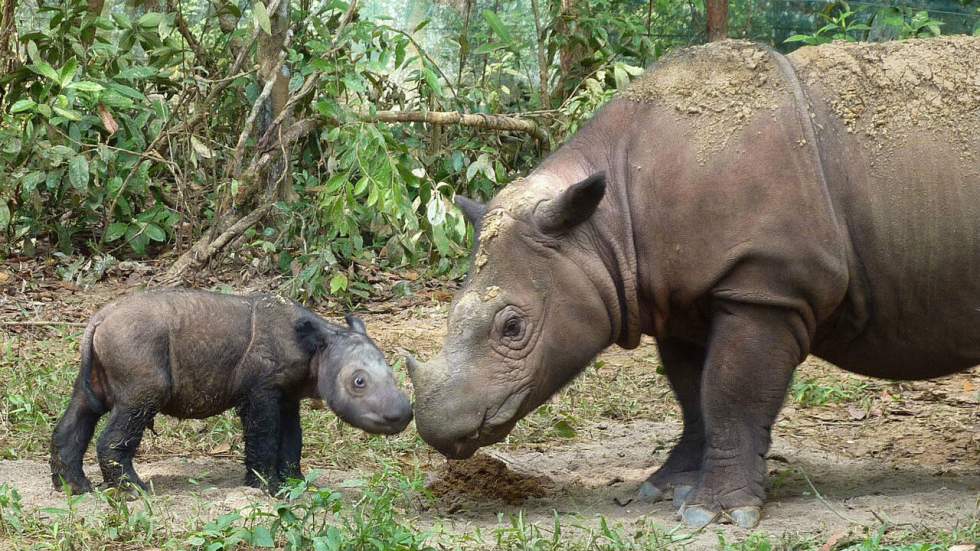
point(95, 403)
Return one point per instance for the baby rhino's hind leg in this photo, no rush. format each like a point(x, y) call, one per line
point(119, 441)
point(140, 377)
point(69, 441)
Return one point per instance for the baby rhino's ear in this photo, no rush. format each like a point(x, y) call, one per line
point(309, 336)
point(355, 324)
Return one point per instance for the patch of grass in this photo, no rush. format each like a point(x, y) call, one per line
point(38, 376)
point(624, 391)
point(515, 532)
point(811, 391)
point(882, 537)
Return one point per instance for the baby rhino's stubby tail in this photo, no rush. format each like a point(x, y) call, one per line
point(74, 431)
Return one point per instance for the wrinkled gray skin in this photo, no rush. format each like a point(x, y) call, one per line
point(774, 248)
point(195, 354)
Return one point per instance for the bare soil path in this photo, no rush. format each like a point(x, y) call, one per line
point(902, 453)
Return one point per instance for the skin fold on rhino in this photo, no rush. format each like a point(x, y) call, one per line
point(194, 354)
point(745, 209)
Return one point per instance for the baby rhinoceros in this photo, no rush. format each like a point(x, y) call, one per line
point(195, 354)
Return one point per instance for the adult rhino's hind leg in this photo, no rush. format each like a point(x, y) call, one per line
point(752, 353)
point(683, 364)
point(69, 441)
point(119, 441)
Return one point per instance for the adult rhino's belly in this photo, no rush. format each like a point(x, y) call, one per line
point(894, 356)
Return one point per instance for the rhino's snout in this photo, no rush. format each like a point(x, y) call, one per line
point(455, 420)
point(390, 419)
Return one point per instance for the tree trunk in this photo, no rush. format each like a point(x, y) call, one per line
point(570, 54)
point(276, 176)
point(717, 20)
point(8, 31)
point(464, 41)
point(543, 64)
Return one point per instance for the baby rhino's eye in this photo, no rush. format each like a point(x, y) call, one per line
point(359, 381)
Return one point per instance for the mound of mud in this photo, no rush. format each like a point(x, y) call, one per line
point(721, 85)
point(483, 478)
point(887, 91)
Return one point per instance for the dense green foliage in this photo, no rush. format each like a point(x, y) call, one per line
point(122, 129)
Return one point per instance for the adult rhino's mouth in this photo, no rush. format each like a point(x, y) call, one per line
point(496, 425)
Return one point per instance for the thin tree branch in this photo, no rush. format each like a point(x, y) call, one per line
point(444, 118)
point(189, 37)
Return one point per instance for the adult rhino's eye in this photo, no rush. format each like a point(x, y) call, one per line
point(511, 331)
point(360, 382)
point(512, 327)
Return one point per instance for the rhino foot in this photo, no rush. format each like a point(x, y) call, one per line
point(746, 517)
point(650, 493)
point(699, 516)
point(681, 493)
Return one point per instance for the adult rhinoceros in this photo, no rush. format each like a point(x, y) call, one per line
point(745, 209)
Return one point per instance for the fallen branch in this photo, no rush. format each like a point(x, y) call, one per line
point(477, 120)
point(43, 323)
point(206, 248)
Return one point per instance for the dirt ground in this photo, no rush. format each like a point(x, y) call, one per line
point(904, 453)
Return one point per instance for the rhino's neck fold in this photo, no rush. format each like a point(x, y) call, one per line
point(612, 267)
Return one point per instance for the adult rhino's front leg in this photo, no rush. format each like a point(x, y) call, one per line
point(751, 355)
point(683, 365)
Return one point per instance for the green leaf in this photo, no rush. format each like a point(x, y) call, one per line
point(122, 20)
point(563, 429)
point(78, 173)
point(497, 26)
point(33, 53)
point(136, 73)
point(46, 70)
point(155, 233)
point(433, 81)
point(115, 231)
point(22, 105)
point(261, 16)
point(150, 20)
point(620, 76)
point(68, 72)
point(4, 215)
point(262, 537)
point(338, 283)
point(68, 114)
point(127, 91)
point(85, 86)
point(490, 47)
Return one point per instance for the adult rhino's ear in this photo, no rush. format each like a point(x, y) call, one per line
point(573, 206)
point(355, 324)
point(310, 338)
point(472, 210)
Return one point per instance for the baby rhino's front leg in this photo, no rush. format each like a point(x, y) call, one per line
point(260, 415)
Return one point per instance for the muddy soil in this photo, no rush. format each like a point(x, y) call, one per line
point(906, 453)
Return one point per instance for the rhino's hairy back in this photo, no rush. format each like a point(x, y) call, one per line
point(898, 126)
point(206, 347)
point(725, 175)
point(888, 93)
